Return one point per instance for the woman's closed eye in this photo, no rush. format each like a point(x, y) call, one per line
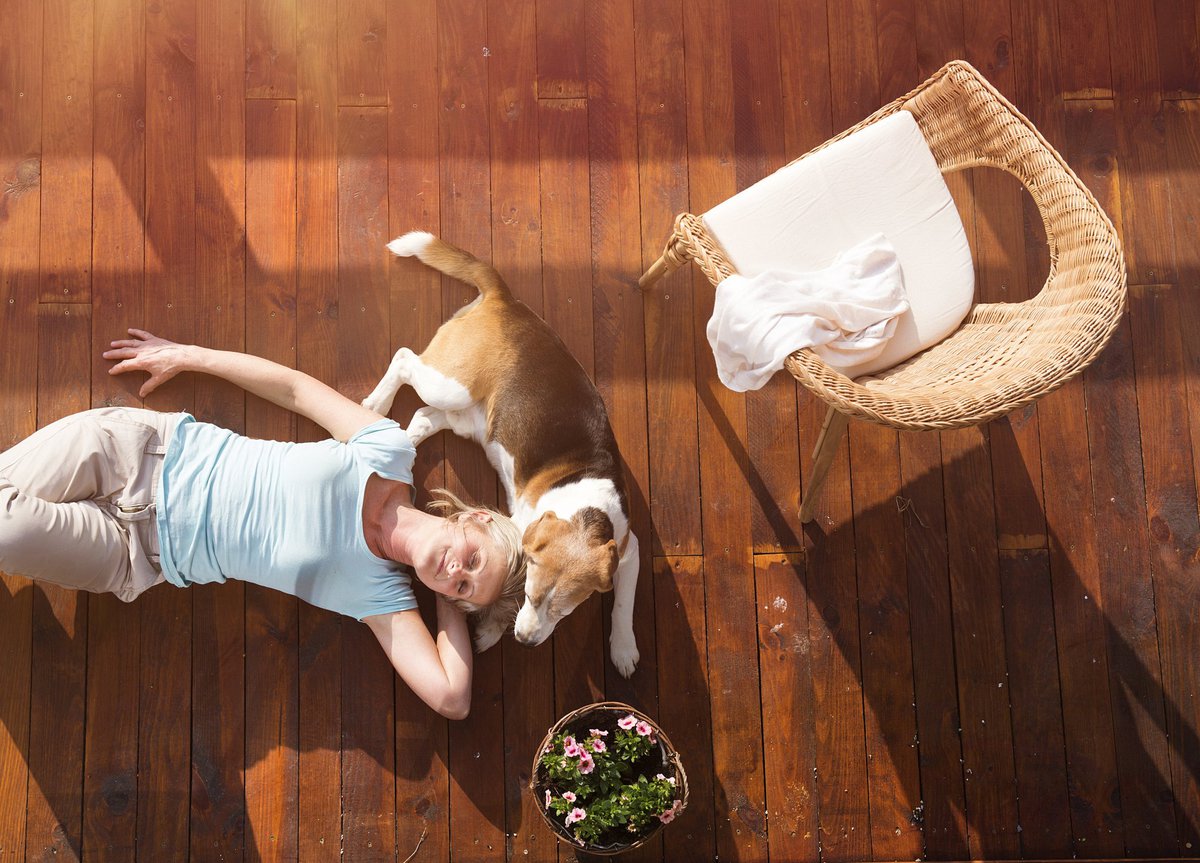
point(463, 588)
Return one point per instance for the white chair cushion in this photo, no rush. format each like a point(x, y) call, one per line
point(882, 179)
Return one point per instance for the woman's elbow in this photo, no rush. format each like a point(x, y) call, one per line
point(455, 706)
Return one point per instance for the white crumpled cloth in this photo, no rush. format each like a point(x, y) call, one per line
point(845, 312)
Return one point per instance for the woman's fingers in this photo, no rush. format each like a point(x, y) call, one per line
point(141, 334)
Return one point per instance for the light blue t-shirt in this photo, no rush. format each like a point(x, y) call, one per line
point(284, 515)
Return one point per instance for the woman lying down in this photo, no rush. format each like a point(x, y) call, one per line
point(118, 499)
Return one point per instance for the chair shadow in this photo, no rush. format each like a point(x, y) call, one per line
point(1136, 691)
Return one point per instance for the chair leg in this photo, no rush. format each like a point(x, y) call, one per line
point(832, 431)
point(659, 268)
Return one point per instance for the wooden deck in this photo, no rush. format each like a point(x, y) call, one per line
point(986, 646)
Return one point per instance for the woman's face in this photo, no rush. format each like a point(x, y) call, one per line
point(462, 561)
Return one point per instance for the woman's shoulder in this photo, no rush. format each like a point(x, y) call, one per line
point(384, 448)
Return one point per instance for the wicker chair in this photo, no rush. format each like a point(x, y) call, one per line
point(1004, 355)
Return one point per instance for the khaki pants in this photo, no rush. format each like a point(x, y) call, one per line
point(77, 501)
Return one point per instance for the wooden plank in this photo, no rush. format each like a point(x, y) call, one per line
point(759, 151)
point(670, 358)
point(368, 747)
point(561, 64)
point(110, 783)
point(940, 36)
point(59, 644)
point(218, 815)
point(1183, 152)
point(943, 810)
point(1178, 48)
point(842, 787)
point(517, 253)
point(885, 644)
point(896, 36)
point(362, 52)
point(319, 787)
point(1083, 31)
point(118, 190)
point(1039, 750)
point(978, 634)
point(789, 744)
point(740, 804)
point(272, 48)
point(164, 754)
point(682, 642)
point(1145, 227)
point(1174, 531)
point(20, 207)
point(617, 311)
point(422, 759)
point(1118, 493)
point(804, 72)
point(1079, 624)
point(66, 215)
point(271, 629)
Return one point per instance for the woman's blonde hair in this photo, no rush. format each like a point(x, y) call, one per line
point(505, 533)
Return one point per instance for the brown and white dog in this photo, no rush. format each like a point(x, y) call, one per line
point(497, 374)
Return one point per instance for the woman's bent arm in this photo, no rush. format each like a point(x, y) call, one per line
point(278, 384)
point(439, 672)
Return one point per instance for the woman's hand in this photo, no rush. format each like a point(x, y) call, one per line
point(146, 352)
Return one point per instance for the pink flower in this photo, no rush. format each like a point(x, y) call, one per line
point(568, 742)
point(586, 764)
point(644, 729)
point(596, 732)
point(569, 796)
point(572, 751)
point(578, 814)
point(547, 798)
point(628, 722)
point(598, 746)
point(669, 816)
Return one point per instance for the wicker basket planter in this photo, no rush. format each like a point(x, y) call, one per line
point(662, 760)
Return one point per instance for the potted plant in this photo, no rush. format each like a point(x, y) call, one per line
point(606, 778)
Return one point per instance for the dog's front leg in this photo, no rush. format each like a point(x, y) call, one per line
point(425, 423)
point(622, 643)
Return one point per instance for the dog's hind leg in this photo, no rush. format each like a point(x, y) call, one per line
point(397, 375)
point(434, 388)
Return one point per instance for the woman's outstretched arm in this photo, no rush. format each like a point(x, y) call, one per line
point(439, 672)
point(278, 384)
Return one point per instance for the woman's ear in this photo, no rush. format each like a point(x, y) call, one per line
point(480, 515)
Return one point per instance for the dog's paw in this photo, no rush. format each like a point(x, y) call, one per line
point(487, 633)
point(419, 428)
point(412, 243)
point(624, 652)
point(379, 401)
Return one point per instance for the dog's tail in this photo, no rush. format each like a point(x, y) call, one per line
point(449, 259)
